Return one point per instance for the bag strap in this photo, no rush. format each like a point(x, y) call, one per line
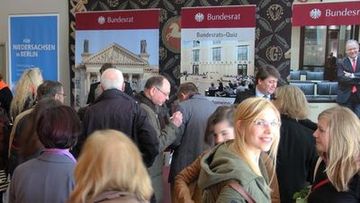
point(236, 186)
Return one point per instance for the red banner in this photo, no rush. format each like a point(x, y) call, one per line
point(117, 20)
point(218, 17)
point(340, 13)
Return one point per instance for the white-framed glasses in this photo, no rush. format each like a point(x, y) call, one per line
point(264, 123)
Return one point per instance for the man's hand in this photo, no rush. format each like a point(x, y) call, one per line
point(349, 75)
point(176, 118)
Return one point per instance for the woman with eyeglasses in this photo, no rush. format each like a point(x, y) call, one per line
point(337, 173)
point(296, 155)
point(233, 171)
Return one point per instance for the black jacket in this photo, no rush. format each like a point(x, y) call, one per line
point(116, 110)
point(327, 192)
point(296, 157)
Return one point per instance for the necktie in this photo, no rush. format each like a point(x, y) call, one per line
point(353, 89)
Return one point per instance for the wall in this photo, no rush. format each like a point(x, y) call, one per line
point(11, 7)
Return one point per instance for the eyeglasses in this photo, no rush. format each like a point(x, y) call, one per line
point(264, 123)
point(61, 93)
point(165, 94)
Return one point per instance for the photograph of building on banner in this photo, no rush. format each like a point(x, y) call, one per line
point(132, 50)
point(217, 58)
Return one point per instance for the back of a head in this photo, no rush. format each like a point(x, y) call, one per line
point(266, 71)
point(48, 89)
point(101, 167)
point(25, 90)
point(291, 101)
point(188, 88)
point(112, 79)
point(105, 66)
point(58, 126)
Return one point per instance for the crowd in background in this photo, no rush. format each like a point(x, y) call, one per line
point(261, 149)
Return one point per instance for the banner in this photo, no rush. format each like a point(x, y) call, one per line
point(127, 39)
point(34, 42)
point(339, 13)
point(217, 49)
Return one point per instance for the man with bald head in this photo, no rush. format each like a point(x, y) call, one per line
point(116, 110)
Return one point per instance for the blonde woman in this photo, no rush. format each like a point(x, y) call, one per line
point(337, 177)
point(297, 153)
point(110, 169)
point(237, 164)
point(25, 91)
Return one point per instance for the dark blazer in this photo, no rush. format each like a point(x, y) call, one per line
point(241, 96)
point(116, 110)
point(91, 96)
point(345, 83)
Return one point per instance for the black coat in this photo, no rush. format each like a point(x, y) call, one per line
point(327, 192)
point(116, 110)
point(5, 99)
point(296, 158)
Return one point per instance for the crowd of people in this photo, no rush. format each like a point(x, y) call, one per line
point(261, 149)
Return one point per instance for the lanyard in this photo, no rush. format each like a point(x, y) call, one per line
point(319, 184)
point(60, 152)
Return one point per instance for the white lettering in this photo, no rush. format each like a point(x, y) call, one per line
point(120, 20)
point(37, 47)
point(344, 12)
point(223, 17)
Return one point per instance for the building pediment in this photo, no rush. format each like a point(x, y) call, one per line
point(117, 55)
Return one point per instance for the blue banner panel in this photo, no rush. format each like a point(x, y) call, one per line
point(33, 43)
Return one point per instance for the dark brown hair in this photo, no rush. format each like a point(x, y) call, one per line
point(266, 71)
point(58, 127)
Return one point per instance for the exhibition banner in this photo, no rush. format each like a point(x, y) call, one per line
point(326, 13)
point(217, 49)
point(128, 39)
point(33, 42)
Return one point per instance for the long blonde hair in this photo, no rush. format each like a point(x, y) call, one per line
point(344, 152)
point(25, 91)
point(291, 101)
point(110, 161)
point(247, 112)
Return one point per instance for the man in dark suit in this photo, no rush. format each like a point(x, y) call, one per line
point(266, 78)
point(348, 73)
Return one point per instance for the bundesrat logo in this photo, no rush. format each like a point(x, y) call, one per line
point(315, 13)
point(101, 20)
point(199, 17)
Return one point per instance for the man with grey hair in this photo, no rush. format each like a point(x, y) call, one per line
point(116, 110)
point(348, 74)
